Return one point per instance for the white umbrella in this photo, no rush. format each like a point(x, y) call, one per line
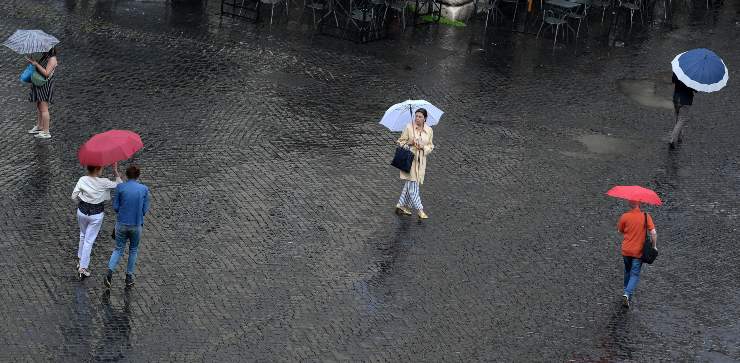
point(400, 114)
point(30, 41)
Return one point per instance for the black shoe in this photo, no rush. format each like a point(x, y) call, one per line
point(671, 145)
point(108, 278)
point(626, 301)
point(129, 280)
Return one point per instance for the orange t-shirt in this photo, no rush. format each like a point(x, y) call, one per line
point(632, 225)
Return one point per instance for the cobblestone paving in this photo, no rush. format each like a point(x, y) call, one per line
point(271, 235)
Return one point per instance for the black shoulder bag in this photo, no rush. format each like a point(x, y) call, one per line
point(403, 159)
point(649, 254)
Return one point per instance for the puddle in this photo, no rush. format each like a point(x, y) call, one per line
point(577, 155)
point(643, 92)
point(601, 144)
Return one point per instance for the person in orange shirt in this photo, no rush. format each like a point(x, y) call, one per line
point(632, 226)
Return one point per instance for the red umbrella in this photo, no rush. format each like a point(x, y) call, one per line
point(109, 147)
point(634, 192)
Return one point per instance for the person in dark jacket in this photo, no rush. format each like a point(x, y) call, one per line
point(683, 98)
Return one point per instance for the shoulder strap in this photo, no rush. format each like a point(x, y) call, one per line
point(646, 227)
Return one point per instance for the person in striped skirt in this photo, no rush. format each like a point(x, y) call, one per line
point(42, 96)
point(417, 136)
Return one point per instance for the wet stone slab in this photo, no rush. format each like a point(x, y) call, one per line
point(272, 237)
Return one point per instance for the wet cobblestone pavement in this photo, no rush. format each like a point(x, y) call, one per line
point(271, 235)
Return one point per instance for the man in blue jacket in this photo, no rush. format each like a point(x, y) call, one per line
point(131, 202)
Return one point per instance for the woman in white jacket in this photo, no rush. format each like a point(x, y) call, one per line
point(92, 192)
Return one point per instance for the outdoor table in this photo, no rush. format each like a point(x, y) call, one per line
point(564, 4)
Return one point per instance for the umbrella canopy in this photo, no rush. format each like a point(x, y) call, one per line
point(400, 114)
point(700, 69)
point(30, 41)
point(634, 192)
point(108, 147)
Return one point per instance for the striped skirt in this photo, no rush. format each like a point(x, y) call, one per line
point(410, 195)
point(43, 93)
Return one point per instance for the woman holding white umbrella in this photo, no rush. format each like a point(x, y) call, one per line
point(41, 72)
point(42, 95)
point(417, 136)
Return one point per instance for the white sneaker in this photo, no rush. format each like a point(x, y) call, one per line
point(83, 272)
point(43, 135)
point(34, 130)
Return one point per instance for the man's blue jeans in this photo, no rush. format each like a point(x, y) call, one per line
point(632, 267)
point(124, 233)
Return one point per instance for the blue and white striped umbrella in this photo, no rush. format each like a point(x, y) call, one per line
point(401, 114)
point(30, 41)
point(701, 70)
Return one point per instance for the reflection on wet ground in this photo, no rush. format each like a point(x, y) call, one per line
point(601, 144)
point(644, 92)
point(272, 233)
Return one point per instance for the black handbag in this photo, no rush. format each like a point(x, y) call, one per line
point(403, 159)
point(649, 254)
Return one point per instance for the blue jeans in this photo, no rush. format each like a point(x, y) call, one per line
point(124, 233)
point(632, 267)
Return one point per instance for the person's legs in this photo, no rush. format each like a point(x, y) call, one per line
point(403, 200)
point(91, 233)
point(44, 116)
point(634, 277)
point(627, 268)
point(682, 118)
point(38, 115)
point(415, 197)
point(115, 257)
point(82, 221)
point(133, 248)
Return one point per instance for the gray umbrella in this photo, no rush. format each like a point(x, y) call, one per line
point(30, 41)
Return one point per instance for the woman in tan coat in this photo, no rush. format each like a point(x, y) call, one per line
point(417, 136)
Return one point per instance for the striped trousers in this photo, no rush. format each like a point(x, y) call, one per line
point(410, 196)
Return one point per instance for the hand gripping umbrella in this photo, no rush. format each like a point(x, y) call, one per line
point(634, 192)
point(109, 147)
point(400, 114)
point(30, 41)
point(700, 69)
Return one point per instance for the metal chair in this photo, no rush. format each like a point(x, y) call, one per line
point(632, 6)
point(516, 7)
point(400, 7)
point(272, 4)
point(365, 20)
point(490, 7)
point(318, 5)
point(555, 20)
point(604, 5)
point(583, 14)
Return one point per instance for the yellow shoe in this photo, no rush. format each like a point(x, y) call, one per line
point(402, 210)
point(423, 215)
